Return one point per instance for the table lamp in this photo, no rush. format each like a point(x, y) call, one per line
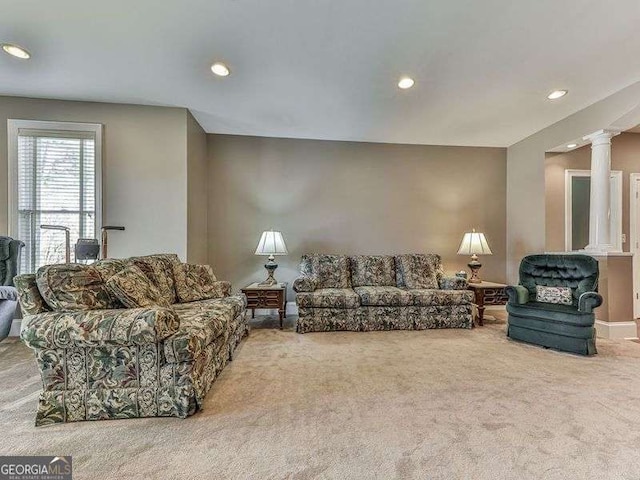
point(271, 243)
point(474, 244)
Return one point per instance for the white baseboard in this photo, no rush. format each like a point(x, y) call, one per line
point(617, 330)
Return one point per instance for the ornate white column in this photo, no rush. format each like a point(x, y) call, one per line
point(600, 200)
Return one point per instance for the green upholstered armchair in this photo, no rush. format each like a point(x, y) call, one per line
point(9, 259)
point(569, 328)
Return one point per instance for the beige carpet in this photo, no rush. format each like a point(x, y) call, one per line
point(444, 404)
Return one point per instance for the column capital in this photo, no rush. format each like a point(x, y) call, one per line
point(601, 137)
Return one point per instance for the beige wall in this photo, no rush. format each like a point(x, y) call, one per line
point(615, 284)
point(343, 197)
point(625, 156)
point(554, 171)
point(526, 217)
point(197, 192)
point(144, 169)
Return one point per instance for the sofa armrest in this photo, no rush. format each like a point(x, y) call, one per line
point(91, 328)
point(453, 283)
point(517, 294)
point(304, 283)
point(8, 293)
point(588, 301)
point(31, 302)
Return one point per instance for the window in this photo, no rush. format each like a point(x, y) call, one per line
point(54, 179)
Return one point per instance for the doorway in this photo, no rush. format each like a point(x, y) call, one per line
point(577, 199)
point(634, 233)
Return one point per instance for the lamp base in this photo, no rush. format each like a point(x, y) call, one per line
point(474, 265)
point(270, 266)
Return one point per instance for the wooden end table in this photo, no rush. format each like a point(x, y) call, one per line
point(488, 293)
point(265, 296)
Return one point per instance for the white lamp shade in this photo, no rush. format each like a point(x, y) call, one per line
point(271, 243)
point(474, 243)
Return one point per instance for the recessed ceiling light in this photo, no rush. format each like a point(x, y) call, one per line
point(16, 51)
point(220, 69)
point(556, 94)
point(406, 82)
point(572, 145)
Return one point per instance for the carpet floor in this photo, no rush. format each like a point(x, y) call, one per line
point(441, 404)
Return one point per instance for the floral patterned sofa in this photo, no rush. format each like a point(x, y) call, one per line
point(140, 337)
point(379, 292)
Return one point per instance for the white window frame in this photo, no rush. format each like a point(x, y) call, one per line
point(616, 207)
point(13, 127)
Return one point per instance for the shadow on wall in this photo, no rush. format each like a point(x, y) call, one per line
point(313, 246)
point(350, 198)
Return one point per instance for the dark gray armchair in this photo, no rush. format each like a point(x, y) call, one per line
point(9, 260)
point(569, 328)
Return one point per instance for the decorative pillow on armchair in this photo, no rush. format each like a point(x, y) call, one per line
point(197, 282)
point(132, 287)
point(557, 295)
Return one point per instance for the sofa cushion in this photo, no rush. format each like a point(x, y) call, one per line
point(552, 312)
point(373, 270)
point(73, 286)
point(133, 289)
point(418, 270)
point(159, 269)
point(384, 296)
point(200, 324)
point(110, 266)
point(196, 282)
point(329, 271)
point(328, 298)
point(453, 283)
point(434, 297)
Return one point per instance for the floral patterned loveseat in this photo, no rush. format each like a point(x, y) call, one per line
point(100, 358)
point(379, 292)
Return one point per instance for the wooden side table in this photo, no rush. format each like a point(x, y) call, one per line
point(265, 296)
point(488, 293)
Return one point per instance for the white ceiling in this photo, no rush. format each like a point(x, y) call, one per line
point(327, 69)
